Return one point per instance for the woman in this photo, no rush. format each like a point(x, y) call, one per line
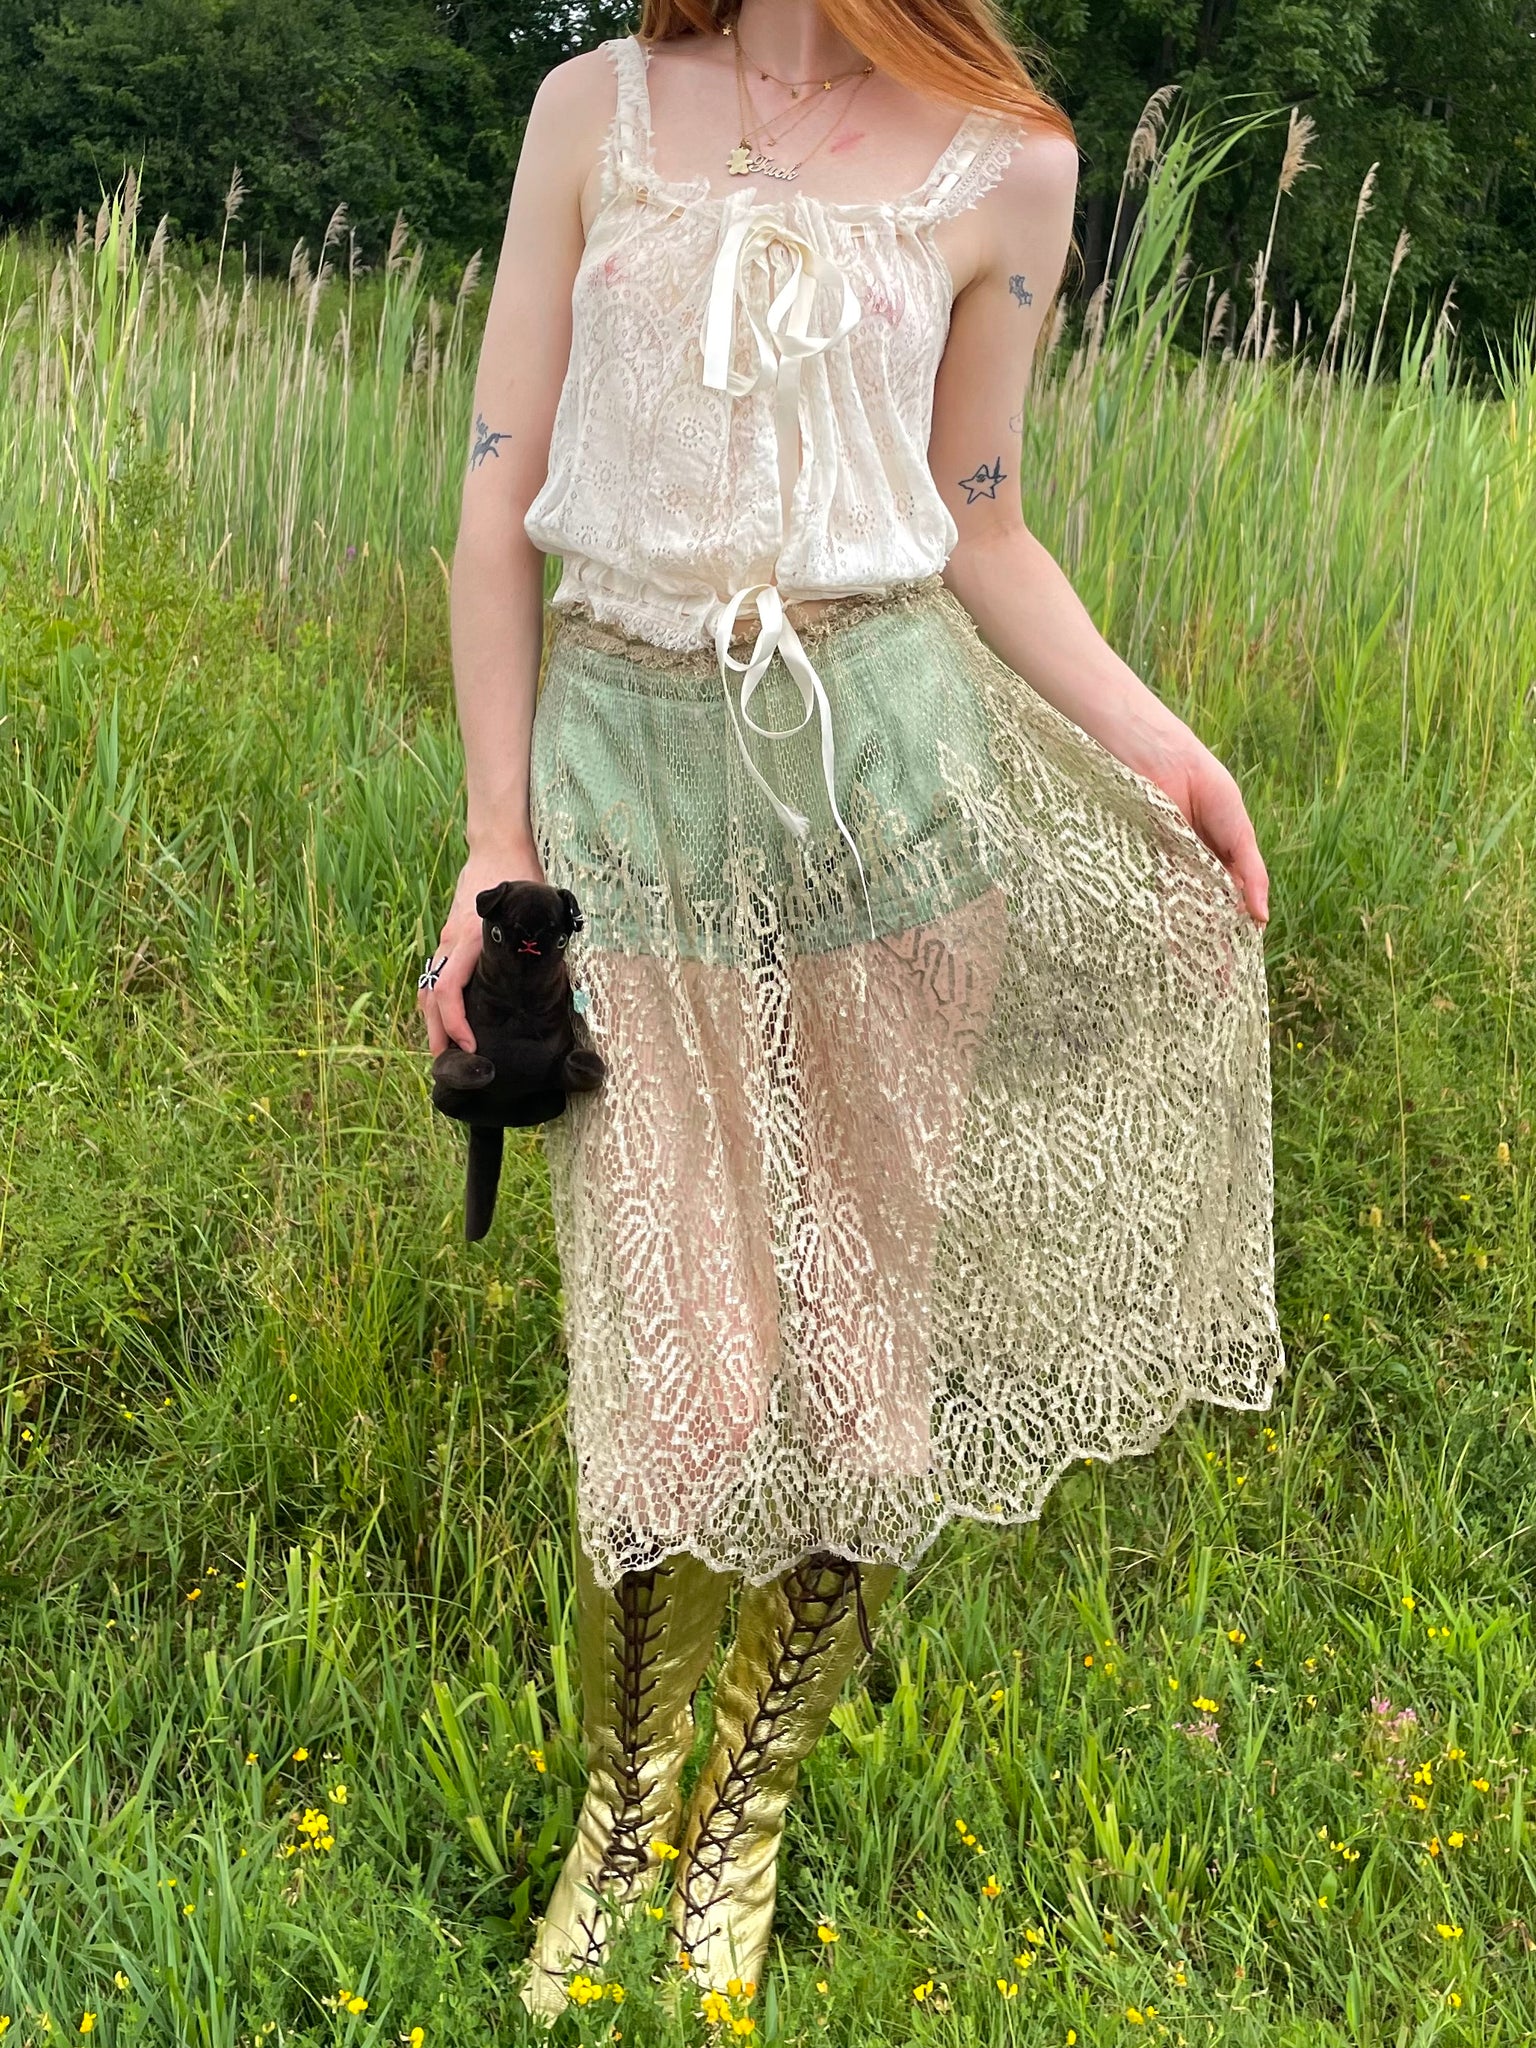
point(921, 941)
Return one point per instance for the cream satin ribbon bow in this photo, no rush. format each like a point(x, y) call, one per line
point(784, 342)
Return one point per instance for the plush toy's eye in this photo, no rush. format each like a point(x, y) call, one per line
point(496, 935)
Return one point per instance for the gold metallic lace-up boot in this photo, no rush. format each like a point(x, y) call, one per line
point(644, 1646)
point(797, 1640)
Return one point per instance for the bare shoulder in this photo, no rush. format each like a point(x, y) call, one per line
point(586, 80)
point(1042, 171)
point(566, 124)
point(581, 88)
point(1025, 222)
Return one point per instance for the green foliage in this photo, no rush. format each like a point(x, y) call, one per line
point(374, 106)
point(1241, 1730)
point(1442, 100)
point(384, 107)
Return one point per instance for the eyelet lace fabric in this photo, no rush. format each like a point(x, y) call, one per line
point(638, 425)
point(864, 1233)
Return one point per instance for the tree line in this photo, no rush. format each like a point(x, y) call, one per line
point(407, 105)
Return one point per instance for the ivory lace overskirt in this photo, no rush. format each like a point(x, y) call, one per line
point(862, 1234)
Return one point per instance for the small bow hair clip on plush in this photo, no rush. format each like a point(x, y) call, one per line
point(527, 1056)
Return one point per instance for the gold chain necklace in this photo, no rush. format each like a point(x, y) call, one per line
point(795, 86)
point(744, 160)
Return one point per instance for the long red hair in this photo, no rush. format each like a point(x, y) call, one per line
point(956, 51)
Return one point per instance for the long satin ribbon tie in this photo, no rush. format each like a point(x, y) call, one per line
point(784, 341)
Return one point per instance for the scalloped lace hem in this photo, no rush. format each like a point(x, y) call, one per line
point(609, 1566)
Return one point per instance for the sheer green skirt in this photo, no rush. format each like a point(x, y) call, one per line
point(862, 1233)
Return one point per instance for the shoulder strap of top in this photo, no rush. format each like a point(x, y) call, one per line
point(973, 163)
point(629, 137)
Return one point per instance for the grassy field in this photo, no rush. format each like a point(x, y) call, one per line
point(1231, 1747)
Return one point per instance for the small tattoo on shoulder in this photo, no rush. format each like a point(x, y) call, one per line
point(486, 443)
point(1018, 284)
point(984, 483)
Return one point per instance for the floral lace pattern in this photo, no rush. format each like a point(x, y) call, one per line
point(861, 1235)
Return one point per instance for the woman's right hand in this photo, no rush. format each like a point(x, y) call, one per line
point(459, 947)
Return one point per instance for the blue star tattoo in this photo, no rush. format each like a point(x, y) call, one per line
point(485, 442)
point(985, 482)
point(1018, 284)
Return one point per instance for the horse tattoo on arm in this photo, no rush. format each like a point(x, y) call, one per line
point(486, 443)
point(1018, 284)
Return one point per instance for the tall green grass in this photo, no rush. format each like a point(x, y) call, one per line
point(283, 1494)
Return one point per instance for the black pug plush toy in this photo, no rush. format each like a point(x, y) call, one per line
point(526, 1058)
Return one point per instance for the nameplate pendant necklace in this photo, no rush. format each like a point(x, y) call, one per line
point(746, 159)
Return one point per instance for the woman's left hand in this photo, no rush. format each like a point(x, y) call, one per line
point(1190, 775)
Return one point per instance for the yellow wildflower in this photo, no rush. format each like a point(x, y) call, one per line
point(1204, 1706)
point(667, 1851)
point(824, 1932)
point(251, 1757)
point(87, 2023)
point(1008, 1990)
point(715, 2009)
point(339, 1794)
point(536, 1758)
point(416, 2037)
point(301, 1754)
point(196, 1593)
point(1137, 2019)
point(355, 2005)
point(1446, 1931)
point(744, 2024)
point(1456, 1838)
point(1235, 1635)
point(991, 1889)
point(923, 1990)
point(823, 1986)
point(1480, 1784)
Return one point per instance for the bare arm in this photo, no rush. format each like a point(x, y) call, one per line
point(1022, 602)
point(497, 597)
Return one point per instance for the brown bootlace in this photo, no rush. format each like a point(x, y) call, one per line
point(642, 1603)
point(805, 1589)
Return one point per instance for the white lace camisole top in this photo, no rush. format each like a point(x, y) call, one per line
point(744, 421)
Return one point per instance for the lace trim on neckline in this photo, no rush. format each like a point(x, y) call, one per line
point(970, 164)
